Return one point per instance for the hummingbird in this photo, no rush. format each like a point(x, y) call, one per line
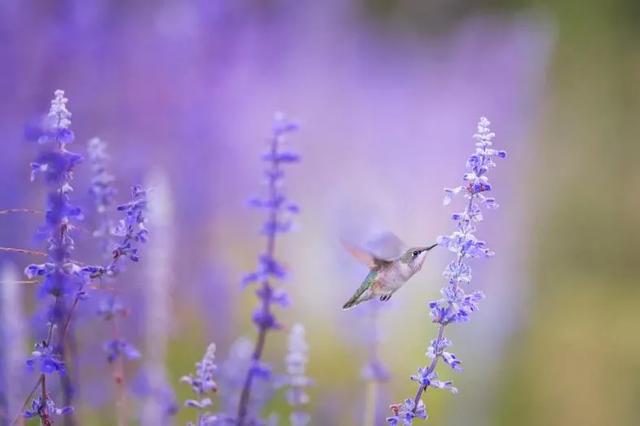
point(386, 274)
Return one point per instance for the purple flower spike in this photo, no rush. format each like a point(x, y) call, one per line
point(202, 384)
point(278, 209)
point(456, 305)
point(297, 358)
point(44, 409)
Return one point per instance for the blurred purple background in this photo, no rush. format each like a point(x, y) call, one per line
point(187, 90)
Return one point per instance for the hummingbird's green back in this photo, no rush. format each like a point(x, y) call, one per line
point(369, 280)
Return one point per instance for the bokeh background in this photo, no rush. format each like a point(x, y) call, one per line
point(387, 94)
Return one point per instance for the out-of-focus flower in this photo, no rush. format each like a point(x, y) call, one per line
point(202, 381)
point(116, 348)
point(13, 339)
point(110, 308)
point(102, 191)
point(102, 188)
point(296, 360)
point(202, 384)
point(158, 314)
point(45, 359)
point(404, 413)
point(44, 409)
point(132, 228)
point(278, 209)
point(374, 369)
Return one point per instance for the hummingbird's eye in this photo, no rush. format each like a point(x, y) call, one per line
point(416, 253)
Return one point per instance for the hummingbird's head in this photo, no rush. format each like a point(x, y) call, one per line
point(416, 256)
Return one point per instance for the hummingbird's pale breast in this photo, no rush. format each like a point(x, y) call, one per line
point(395, 275)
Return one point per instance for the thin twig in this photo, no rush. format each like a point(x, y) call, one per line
point(9, 211)
point(370, 403)
point(266, 287)
point(431, 367)
point(118, 377)
point(23, 251)
point(19, 282)
point(26, 401)
point(46, 421)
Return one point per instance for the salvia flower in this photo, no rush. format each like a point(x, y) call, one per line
point(60, 275)
point(45, 359)
point(110, 308)
point(278, 210)
point(202, 384)
point(102, 182)
point(456, 304)
point(404, 413)
point(56, 164)
point(117, 348)
point(132, 228)
point(102, 191)
point(45, 408)
point(232, 378)
point(297, 358)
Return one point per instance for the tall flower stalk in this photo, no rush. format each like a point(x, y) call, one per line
point(103, 192)
point(111, 310)
point(203, 385)
point(297, 358)
point(374, 371)
point(456, 305)
point(158, 313)
point(13, 341)
point(61, 277)
point(277, 206)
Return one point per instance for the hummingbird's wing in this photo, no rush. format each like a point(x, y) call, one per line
point(387, 245)
point(364, 256)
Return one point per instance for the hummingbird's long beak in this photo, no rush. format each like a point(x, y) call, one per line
point(430, 247)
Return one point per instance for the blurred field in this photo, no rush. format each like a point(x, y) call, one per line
point(387, 94)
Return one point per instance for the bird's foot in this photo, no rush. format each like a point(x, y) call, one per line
point(385, 297)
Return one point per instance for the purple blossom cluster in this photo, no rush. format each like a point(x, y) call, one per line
point(55, 163)
point(102, 190)
point(131, 229)
point(456, 304)
point(202, 384)
point(61, 277)
point(66, 279)
point(44, 408)
point(117, 240)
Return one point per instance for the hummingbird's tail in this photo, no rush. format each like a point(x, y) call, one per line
point(360, 295)
point(356, 299)
point(350, 303)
